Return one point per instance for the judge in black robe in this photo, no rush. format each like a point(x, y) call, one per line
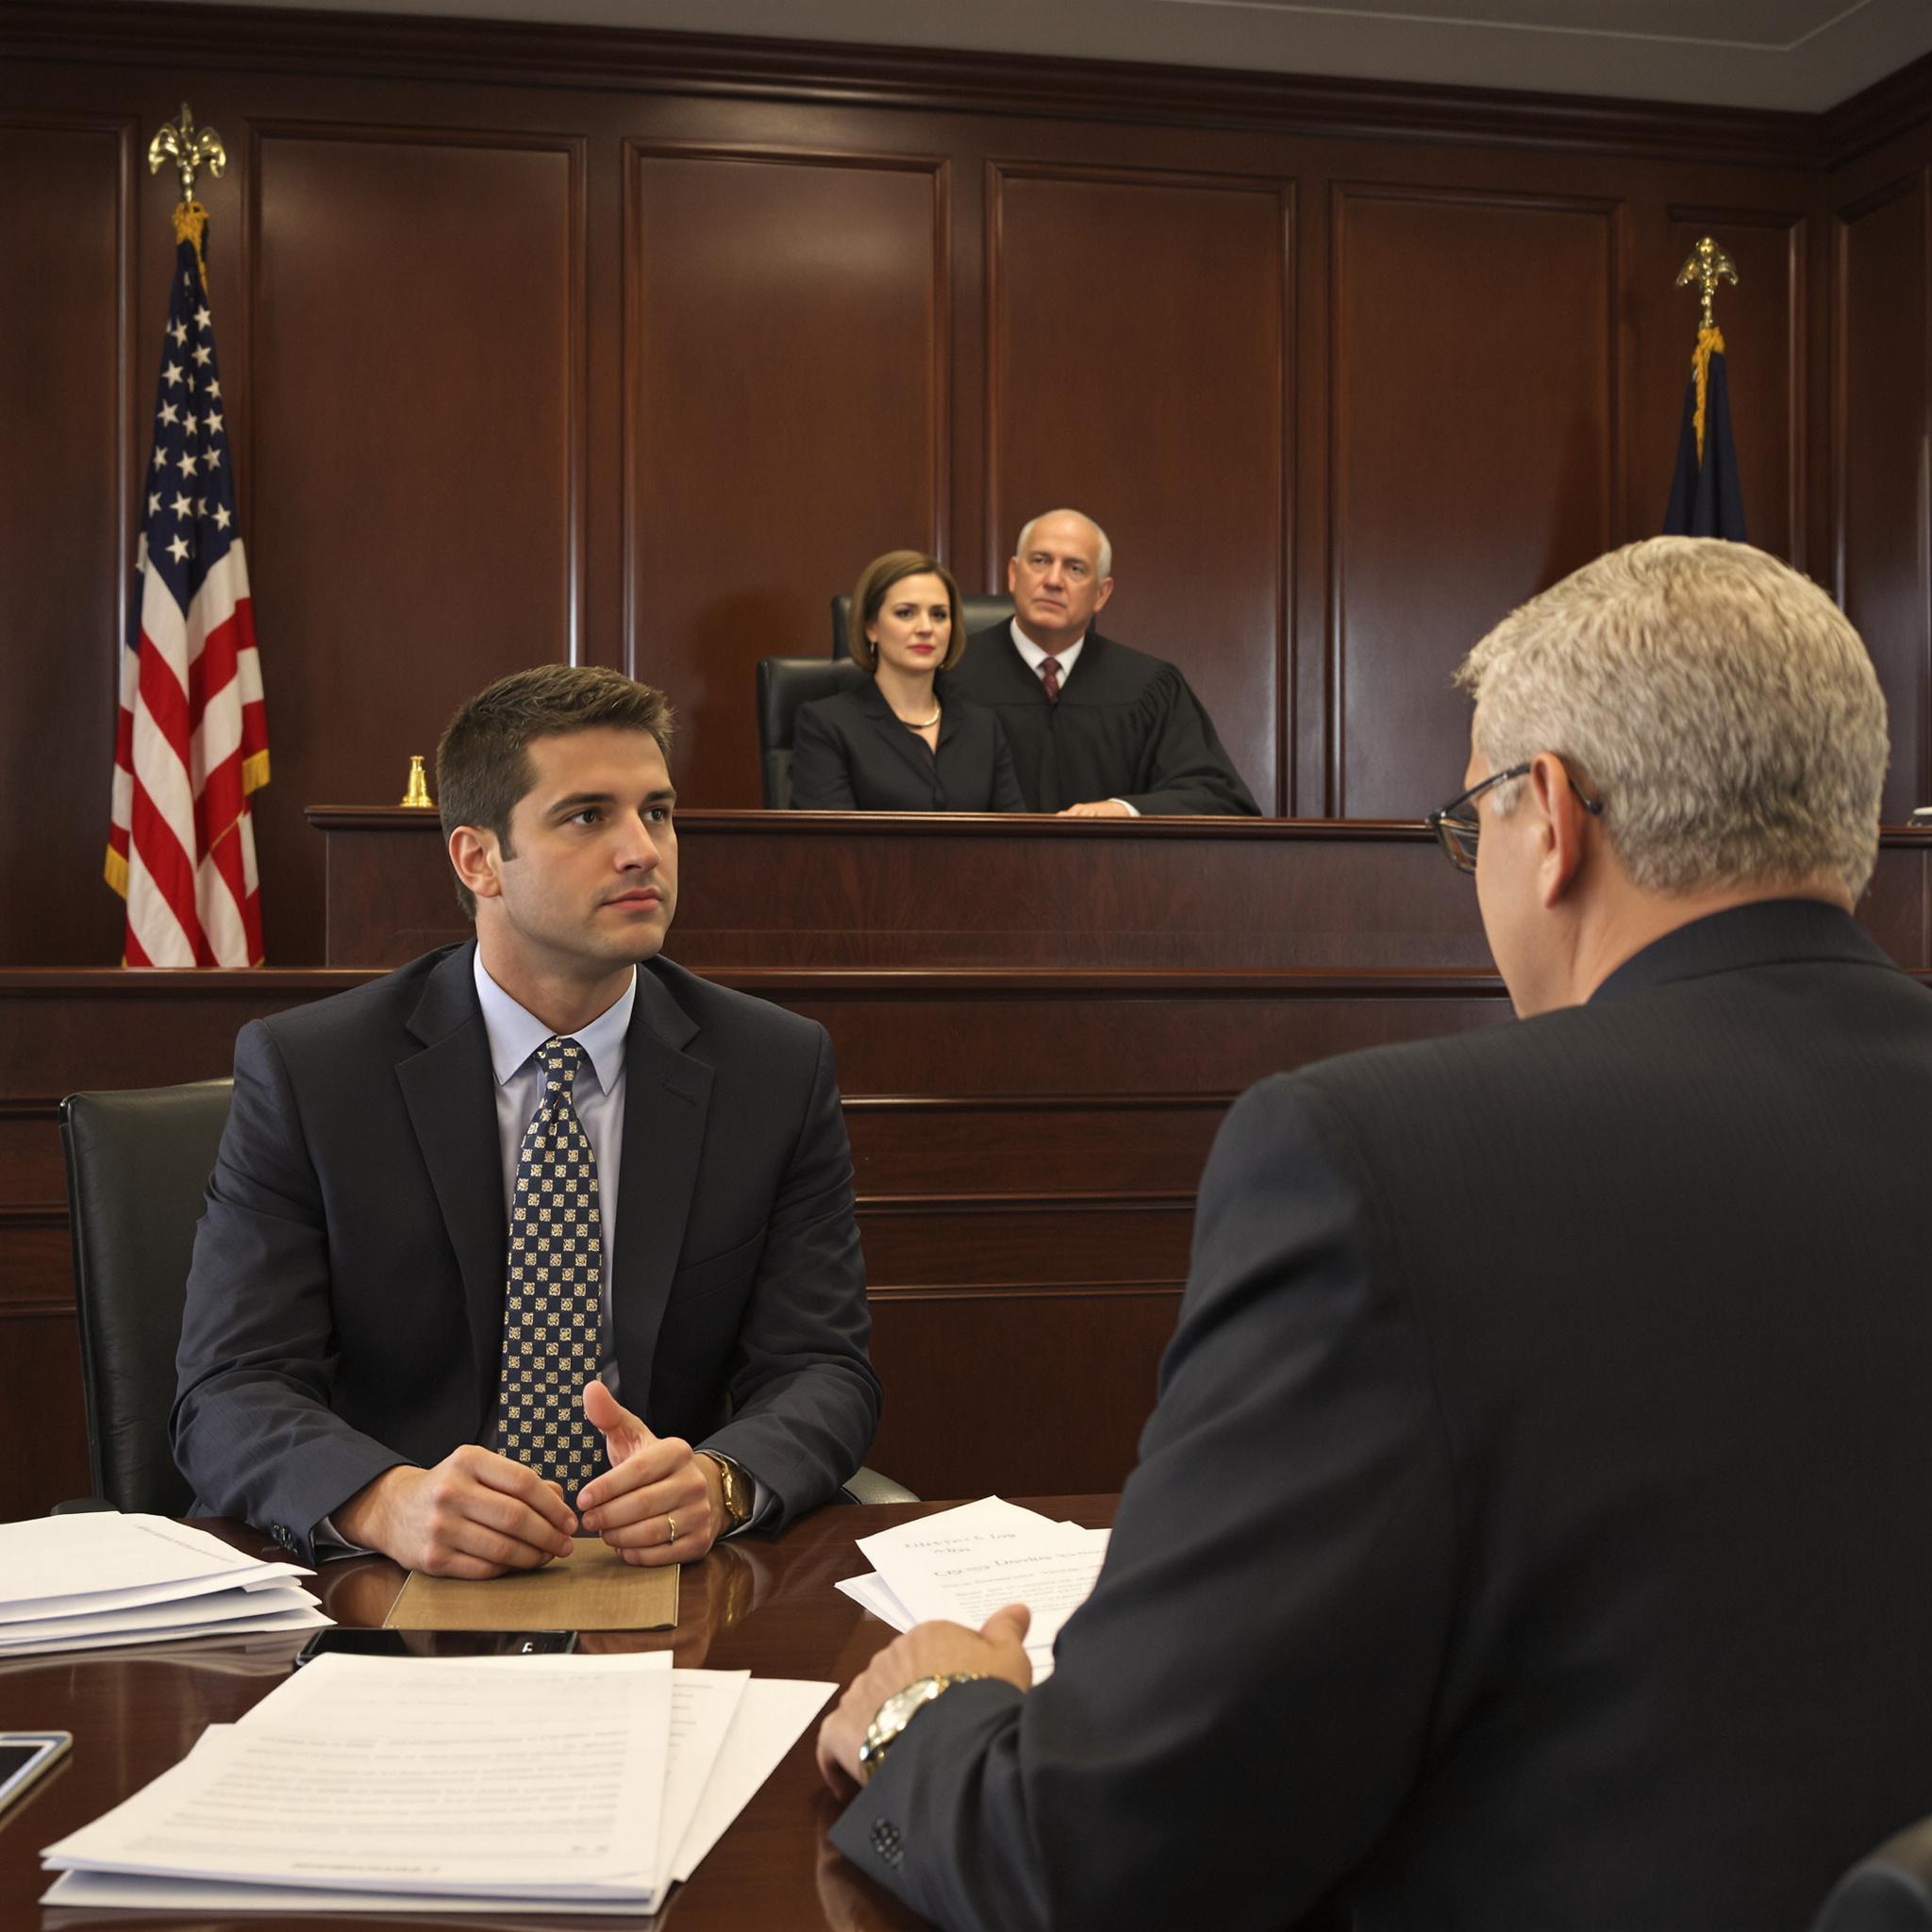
point(850, 753)
point(1125, 727)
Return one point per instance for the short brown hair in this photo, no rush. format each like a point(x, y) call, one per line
point(868, 598)
point(483, 765)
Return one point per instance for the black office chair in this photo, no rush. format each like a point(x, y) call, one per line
point(975, 613)
point(1888, 1891)
point(784, 684)
point(137, 1165)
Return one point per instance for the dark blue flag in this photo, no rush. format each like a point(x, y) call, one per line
point(1706, 499)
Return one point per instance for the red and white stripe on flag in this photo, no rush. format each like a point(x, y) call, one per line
point(193, 742)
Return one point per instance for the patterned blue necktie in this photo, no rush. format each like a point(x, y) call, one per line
point(554, 1291)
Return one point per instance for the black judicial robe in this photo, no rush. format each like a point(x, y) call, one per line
point(849, 753)
point(1126, 726)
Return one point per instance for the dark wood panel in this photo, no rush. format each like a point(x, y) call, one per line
point(879, 890)
point(43, 1446)
point(65, 552)
point(995, 1394)
point(63, 1032)
point(1046, 1242)
point(38, 1278)
point(1084, 1144)
point(415, 473)
point(1475, 393)
point(30, 1167)
point(1139, 344)
point(910, 1040)
point(785, 383)
point(1883, 511)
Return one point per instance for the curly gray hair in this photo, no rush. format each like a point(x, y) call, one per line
point(1721, 705)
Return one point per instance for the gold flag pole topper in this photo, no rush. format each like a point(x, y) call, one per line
point(191, 149)
point(1706, 265)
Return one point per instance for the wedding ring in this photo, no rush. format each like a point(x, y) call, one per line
point(672, 1523)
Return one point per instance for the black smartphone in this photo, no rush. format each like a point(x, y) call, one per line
point(24, 1755)
point(347, 1642)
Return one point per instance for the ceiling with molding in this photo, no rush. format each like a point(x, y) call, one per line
point(1802, 54)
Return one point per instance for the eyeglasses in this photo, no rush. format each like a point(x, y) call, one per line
point(1457, 828)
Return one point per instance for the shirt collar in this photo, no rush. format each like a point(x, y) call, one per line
point(1035, 657)
point(515, 1033)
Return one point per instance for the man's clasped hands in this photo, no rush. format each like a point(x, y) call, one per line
point(475, 1513)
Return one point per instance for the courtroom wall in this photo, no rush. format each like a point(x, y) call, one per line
point(1881, 428)
point(543, 345)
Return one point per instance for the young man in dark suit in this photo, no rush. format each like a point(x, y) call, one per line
point(540, 1233)
point(1527, 1532)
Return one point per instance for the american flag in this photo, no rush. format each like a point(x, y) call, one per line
point(193, 738)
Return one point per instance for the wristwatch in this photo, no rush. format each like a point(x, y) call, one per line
point(734, 1487)
point(898, 1711)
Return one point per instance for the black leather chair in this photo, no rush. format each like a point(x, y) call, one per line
point(1889, 1890)
point(975, 613)
point(137, 1165)
point(784, 684)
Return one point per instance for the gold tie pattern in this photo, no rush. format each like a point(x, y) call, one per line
point(554, 1289)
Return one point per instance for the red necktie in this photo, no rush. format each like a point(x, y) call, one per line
point(1050, 677)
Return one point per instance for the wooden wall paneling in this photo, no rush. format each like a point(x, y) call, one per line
point(1126, 1034)
point(1764, 321)
point(65, 547)
point(785, 411)
point(1473, 453)
point(1313, 793)
point(417, 309)
point(1140, 369)
point(1015, 1393)
point(973, 1240)
point(1882, 495)
point(1083, 1143)
point(40, 1396)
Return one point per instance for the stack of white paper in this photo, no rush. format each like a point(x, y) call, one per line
point(964, 1564)
point(97, 1580)
point(570, 1783)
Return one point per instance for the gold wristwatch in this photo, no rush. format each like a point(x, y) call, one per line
point(734, 1487)
point(898, 1711)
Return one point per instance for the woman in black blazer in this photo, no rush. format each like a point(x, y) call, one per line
point(893, 744)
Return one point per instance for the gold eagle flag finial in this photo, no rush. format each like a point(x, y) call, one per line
point(190, 148)
point(1708, 265)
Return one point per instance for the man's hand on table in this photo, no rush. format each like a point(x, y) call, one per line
point(658, 1502)
point(474, 1514)
point(996, 1649)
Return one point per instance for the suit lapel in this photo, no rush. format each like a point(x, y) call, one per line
point(872, 702)
point(450, 1092)
point(667, 1096)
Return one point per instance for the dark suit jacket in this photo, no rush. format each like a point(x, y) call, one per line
point(1530, 1533)
point(345, 1304)
point(849, 753)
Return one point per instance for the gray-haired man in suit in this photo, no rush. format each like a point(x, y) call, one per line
point(1528, 1532)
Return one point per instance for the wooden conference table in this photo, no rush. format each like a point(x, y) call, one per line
point(769, 1607)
